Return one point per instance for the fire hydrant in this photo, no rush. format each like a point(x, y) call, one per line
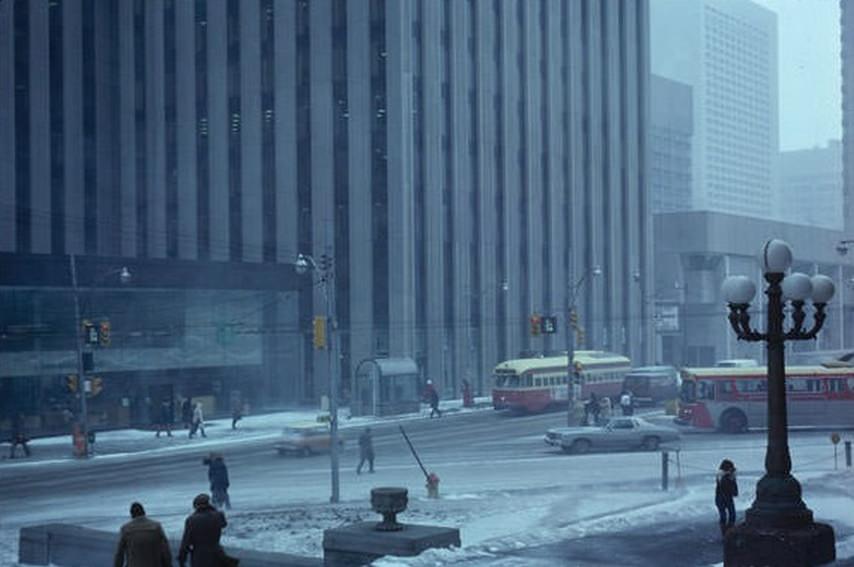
point(432, 485)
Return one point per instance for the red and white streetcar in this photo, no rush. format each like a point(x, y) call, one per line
point(536, 384)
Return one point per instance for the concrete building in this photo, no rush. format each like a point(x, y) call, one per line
point(696, 251)
point(460, 161)
point(846, 20)
point(671, 136)
point(726, 50)
point(811, 186)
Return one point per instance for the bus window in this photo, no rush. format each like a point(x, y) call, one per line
point(726, 388)
point(836, 385)
point(706, 390)
point(688, 392)
point(750, 386)
point(814, 385)
point(797, 385)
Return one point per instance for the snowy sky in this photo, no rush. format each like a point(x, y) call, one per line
point(809, 71)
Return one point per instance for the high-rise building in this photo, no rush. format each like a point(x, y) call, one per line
point(726, 50)
point(846, 20)
point(671, 122)
point(811, 186)
point(461, 161)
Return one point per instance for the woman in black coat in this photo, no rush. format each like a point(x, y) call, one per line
point(218, 477)
point(726, 489)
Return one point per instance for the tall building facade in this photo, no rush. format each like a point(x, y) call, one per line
point(670, 144)
point(811, 186)
point(846, 20)
point(726, 50)
point(461, 161)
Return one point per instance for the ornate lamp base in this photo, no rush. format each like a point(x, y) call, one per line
point(753, 546)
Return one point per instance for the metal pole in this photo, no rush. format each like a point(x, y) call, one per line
point(571, 376)
point(664, 472)
point(332, 349)
point(78, 342)
point(848, 454)
point(778, 462)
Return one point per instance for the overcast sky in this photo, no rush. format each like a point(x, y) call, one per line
point(810, 80)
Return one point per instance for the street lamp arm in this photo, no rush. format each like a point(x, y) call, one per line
point(797, 332)
point(739, 320)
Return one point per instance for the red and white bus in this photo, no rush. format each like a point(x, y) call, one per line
point(734, 399)
point(536, 384)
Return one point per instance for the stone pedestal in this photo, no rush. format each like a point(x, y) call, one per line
point(752, 546)
point(362, 543)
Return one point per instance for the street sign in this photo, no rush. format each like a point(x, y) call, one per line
point(834, 438)
point(549, 325)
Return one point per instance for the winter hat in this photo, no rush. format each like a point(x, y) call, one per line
point(136, 510)
point(201, 501)
point(726, 465)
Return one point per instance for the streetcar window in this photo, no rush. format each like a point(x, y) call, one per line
point(513, 382)
point(538, 382)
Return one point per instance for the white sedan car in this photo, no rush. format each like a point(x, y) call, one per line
point(620, 433)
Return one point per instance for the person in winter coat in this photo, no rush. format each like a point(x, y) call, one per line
point(187, 413)
point(366, 451)
point(166, 418)
point(198, 421)
point(605, 408)
point(142, 542)
point(19, 436)
point(432, 397)
point(591, 410)
point(726, 488)
point(218, 477)
point(202, 531)
point(627, 402)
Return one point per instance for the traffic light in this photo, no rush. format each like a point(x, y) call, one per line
point(320, 332)
point(536, 323)
point(573, 319)
point(96, 384)
point(104, 333)
point(71, 382)
point(90, 333)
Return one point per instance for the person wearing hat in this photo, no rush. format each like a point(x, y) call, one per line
point(726, 489)
point(202, 531)
point(142, 542)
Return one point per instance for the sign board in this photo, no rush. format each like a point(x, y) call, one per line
point(667, 318)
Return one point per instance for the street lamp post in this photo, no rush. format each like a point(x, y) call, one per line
point(326, 271)
point(124, 275)
point(573, 382)
point(779, 528)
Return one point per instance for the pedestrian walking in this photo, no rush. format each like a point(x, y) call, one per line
point(591, 410)
point(627, 402)
point(218, 477)
point(167, 416)
point(19, 436)
point(198, 421)
point(605, 409)
point(236, 413)
point(468, 397)
point(187, 413)
point(366, 451)
point(142, 542)
point(726, 489)
point(432, 397)
point(202, 532)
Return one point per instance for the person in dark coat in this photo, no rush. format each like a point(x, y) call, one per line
point(726, 489)
point(627, 402)
point(166, 417)
point(19, 436)
point(432, 397)
point(187, 413)
point(218, 477)
point(142, 542)
point(366, 451)
point(591, 410)
point(202, 531)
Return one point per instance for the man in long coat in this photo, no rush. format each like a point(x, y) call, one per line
point(202, 531)
point(142, 542)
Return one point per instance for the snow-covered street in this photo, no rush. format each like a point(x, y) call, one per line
point(516, 500)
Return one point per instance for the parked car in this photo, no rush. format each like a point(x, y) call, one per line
point(620, 433)
point(305, 439)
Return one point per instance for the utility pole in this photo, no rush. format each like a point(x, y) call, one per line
point(81, 372)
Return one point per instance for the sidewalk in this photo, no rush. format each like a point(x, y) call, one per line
point(123, 442)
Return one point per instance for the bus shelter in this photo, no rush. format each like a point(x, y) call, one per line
point(386, 386)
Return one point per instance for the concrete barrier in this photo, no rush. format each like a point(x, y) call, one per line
point(66, 545)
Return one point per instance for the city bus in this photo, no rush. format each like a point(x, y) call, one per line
point(530, 385)
point(734, 399)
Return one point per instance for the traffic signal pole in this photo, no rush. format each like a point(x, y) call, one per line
point(81, 373)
